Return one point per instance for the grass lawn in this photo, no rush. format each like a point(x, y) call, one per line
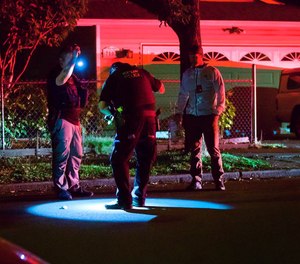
point(95, 166)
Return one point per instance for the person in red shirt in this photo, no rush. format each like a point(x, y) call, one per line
point(66, 98)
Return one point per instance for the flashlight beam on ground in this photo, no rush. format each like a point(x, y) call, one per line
point(94, 210)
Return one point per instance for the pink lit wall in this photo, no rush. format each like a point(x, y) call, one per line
point(275, 44)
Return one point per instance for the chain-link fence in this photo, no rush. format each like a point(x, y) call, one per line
point(25, 140)
point(240, 95)
point(25, 113)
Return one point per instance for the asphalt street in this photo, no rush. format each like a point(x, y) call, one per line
point(253, 221)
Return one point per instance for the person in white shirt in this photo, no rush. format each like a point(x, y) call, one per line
point(201, 101)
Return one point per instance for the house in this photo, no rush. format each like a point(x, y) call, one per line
point(251, 32)
point(235, 35)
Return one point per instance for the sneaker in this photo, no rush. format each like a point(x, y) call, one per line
point(80, 192)
point(195, 186)
point(138, 202)
point(115, 206)
point(220, 186)
point(64, 195)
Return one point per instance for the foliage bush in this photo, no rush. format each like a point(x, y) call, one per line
point(25, 113)
point(91, 119)
point(227, 117)
point(98, 145)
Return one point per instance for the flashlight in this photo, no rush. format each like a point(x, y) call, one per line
point(80, 63)
point(109, 119)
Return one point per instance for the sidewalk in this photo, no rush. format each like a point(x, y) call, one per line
point(285, 161)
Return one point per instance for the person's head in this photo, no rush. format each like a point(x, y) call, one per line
point(119, 67)
point(66, 54)
point(196, 56)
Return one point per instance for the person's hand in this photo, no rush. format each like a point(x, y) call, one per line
point(109, 119)
point(161, 88)
point(76, 51)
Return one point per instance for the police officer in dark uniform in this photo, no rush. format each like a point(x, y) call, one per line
point(128, 92)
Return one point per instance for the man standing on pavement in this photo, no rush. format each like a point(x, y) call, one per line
point(128, 94)
point(201, 101)
point(66, 98)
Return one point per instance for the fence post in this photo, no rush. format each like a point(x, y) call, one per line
point(37, 145)
point(254, 105)
point(2, 116)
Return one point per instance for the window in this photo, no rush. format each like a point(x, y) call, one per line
point(167, 56)
point(293, 56)
point(210, 56)
point(294, 81)
point(255, 56)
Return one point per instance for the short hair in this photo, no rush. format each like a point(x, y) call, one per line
point(195, 49)
point(66, 49)
point(119, 66)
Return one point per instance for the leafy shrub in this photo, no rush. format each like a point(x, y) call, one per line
point(25, 113)
point(227, 117)
point(99, 145)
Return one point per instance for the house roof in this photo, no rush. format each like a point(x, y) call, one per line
point(254, 11)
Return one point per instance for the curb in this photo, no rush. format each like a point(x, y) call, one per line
point(162, 179)
point(271, 174)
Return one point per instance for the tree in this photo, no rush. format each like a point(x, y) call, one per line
point(26, 24)
point(183, 16)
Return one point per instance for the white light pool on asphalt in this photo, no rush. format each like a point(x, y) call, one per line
point(94, 210)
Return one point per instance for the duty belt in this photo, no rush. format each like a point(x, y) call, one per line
point(147, 113)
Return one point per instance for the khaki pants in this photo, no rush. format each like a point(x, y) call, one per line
point(66, 154)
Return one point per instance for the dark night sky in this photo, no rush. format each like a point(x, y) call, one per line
point(45, 58)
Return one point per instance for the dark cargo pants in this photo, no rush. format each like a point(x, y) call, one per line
point(137, 134)
point(195, 128)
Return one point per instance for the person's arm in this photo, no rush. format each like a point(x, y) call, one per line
point(157, 85)
point(105, 105)
point(183, 97)
point(68, 69)
point(219, 87)
point(104, 108)
point(161, 89)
